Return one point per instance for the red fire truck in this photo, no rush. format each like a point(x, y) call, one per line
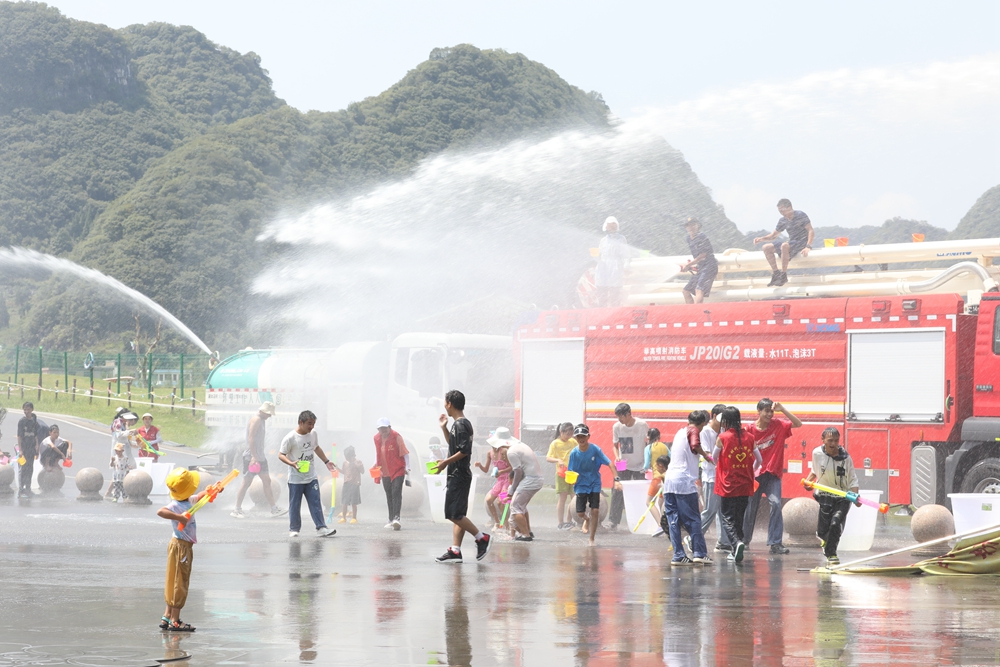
point(906, 363)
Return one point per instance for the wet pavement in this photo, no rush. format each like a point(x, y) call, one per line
point(82, 584)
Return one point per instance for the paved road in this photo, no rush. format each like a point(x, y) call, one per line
point(82, 584)
point(91, 447)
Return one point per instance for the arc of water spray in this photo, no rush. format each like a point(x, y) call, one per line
point(29, 259)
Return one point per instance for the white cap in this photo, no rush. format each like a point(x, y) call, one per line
point(382, 423)
point(147, 415)
point(608, 221)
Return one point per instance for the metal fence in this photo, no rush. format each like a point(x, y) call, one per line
point(147, 378)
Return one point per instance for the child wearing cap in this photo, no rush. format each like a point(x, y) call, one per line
point(120, 464)
point(151, 435)
point(586, 460)
point(182, 484)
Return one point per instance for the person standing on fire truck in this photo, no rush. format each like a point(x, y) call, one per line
point(769, 435)
point(613, 256)
point(705, 266)
point(629, 436)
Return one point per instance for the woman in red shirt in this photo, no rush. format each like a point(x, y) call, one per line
point(735, 458)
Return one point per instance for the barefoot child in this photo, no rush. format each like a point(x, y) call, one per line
point(182, 484)
point(586, 460)
point(496, 459)
point(558, 453)
point(353, 471)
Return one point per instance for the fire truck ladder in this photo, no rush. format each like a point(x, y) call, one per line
point(744, 274)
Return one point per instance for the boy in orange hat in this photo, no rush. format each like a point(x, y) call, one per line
point(182, 484)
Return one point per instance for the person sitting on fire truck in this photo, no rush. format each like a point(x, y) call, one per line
point(800, 238)
point(769, 435)
point(703, 265)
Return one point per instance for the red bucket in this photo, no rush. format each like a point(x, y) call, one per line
point(67, 463)
point(376, 473)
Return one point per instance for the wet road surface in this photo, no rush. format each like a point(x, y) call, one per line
point(82, 584)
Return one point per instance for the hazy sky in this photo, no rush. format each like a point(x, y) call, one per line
point(857, 111)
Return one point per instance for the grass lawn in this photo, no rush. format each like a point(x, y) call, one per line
point(179, 426)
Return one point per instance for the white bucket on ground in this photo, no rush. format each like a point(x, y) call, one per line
point(158, 471)
point(437, 486)
point(973, 511)
point(635, 505)
point(859, 530)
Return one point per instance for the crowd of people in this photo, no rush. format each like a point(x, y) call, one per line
point(614, 255)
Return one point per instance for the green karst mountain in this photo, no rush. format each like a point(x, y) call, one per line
point(157, 156)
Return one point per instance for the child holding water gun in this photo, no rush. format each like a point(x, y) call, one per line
point(151, 435)
point(833, 467)
point(353, 471)
point(496, 459)
point(182, 484)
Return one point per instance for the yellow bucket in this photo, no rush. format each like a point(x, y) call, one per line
point(571, 476)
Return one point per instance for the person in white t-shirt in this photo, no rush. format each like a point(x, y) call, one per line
point(298, 450)
point(526, 480)
point(680, 492)
point(629, 436)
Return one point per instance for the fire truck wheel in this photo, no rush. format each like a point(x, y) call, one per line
point(984, 477)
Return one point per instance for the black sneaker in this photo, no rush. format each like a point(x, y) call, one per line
point(722, 548)
point(449, 556)
point(775, 277)
point(782, 279)
point(482, 547)
point(683, 560)
point(779, 549)
point(524, 538)
point(832, 560)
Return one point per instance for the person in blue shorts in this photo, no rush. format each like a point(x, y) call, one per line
point(703, 263)
point(800, 239)
point(586, 460)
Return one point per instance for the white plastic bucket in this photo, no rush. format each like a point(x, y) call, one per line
point(859, 530)
point(635, 505)
point(158, 472)
point(973, 511)
point(437, 486)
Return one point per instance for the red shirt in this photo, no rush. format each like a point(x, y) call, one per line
point(771, 442)
point(390, 455)
point(149, 435)
point(734, 465)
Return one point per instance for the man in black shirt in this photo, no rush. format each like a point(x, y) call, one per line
point(703, 265)
point(27, 444)
point(456, 499)
point(800, 238)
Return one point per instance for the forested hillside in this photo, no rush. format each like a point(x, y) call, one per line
point(157, 156)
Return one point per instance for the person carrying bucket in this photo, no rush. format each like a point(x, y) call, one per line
point(255, 462)
point(584, 473)
point(836, 470)
point(629, 436)
point(298, 450)
point(558, 453)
